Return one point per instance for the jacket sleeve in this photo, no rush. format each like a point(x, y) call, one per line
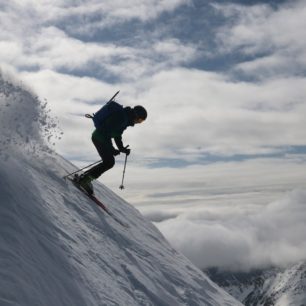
point(119, 143)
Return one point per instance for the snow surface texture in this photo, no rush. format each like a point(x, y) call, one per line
point(58, 248)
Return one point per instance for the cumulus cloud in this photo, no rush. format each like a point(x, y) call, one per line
point(273, 235)
point(208, 113)
point(91, 14)
point(39, 42)
point(273, 37)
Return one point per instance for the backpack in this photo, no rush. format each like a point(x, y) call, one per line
point(105, 111)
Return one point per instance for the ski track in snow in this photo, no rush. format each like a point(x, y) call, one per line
point(57, 247)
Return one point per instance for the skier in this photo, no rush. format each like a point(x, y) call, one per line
point(112, 127)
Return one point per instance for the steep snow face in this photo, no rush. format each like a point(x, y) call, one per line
point(58, 248)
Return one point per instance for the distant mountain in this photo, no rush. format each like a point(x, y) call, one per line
point(269, 287)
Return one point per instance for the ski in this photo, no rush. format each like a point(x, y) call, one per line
point(98, 202)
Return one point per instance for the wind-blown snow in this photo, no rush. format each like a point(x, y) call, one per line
point(25, 122)
point(59, 248)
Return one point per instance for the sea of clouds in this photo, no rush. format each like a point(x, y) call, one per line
point(272, 235)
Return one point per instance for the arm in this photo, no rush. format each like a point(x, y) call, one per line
point(119, 143)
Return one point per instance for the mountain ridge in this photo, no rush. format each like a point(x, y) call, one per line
point(273, 286)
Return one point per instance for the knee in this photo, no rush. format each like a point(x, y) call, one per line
point(109, 163)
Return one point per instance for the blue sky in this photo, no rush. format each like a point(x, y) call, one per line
point(223, 81)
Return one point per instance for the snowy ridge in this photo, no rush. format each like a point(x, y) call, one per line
point(58, 248)
point(274, 286)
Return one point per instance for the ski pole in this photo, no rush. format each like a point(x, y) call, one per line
point(122, 186)
point(81, 169)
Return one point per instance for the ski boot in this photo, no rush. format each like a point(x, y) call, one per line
point(85, 181)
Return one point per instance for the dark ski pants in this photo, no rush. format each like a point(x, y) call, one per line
point(108, 159)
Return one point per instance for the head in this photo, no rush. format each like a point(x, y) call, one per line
point(140, 114)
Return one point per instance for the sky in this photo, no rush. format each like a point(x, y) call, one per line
point(224, 85)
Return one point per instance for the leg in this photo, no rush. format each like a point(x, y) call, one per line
point(108, 160)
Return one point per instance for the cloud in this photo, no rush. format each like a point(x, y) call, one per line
point(199, 112)
point(107, 13)
point(51, 48)
point(245, 185)
point(40, 37)
point(273, 235)
point(173, 51)
point(273, 37)
point(224, 214)
point(160, 216)
point(9, 50)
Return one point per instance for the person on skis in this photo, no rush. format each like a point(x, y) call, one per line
point(112, 127)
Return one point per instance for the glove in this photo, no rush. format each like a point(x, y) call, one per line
point(116, 152)
point(126, 150)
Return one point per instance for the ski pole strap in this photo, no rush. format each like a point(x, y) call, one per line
point(89, 116)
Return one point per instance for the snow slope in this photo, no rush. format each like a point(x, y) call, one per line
point(59, 248)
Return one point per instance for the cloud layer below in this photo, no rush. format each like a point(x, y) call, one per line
point(240, 240)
